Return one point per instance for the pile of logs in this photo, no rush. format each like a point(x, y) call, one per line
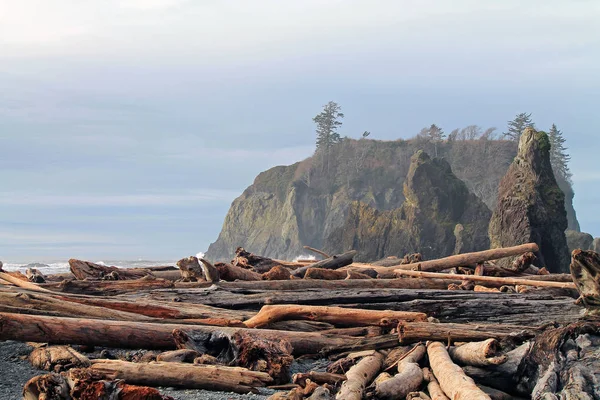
point(460, 327)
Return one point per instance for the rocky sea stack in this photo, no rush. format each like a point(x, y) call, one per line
point(438, 217)
point(531, 206)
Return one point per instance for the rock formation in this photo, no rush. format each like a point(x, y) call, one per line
point(531, 207)
point(579, 240)
point(438, 209)
point(594, 247)
point(288, 207)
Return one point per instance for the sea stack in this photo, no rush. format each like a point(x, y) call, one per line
point(531, 206)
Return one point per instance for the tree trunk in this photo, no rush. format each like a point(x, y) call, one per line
point(478, 354)
point(189, 376)
point(334, 315)
point(335, 262)
point(108, 288)
point(229, 272)
point(411, 332)
point(488, 279)
point(359, 377)
point(451, 377)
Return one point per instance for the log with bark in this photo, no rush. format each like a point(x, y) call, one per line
point(334, 315)
point(334, 262)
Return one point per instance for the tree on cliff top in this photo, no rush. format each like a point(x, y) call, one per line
point(328, 121)
point(518, 125)
point(558, 155)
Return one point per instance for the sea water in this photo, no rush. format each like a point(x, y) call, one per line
point(60, 266)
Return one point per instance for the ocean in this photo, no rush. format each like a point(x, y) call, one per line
point(60, 266)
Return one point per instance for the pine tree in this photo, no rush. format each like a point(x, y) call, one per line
point(558, 155)
point(328, 121)
point(518, 125)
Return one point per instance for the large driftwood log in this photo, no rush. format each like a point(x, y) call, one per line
point(21, 283)
point(108, 288)
point(218, 342)
point(459, 306)
point(334, 262)
point(192, 376)
point(326, 274)
point(451, 377)
point(359, 376)
point(85, 269)
point(469, 258)
point(136, 335)
point(334, 315)
point(488, 279)
point(410, 332)
point(433, 386)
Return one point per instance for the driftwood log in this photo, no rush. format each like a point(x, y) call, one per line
point(359, 376)
point(89, 270)
point(451, 377)
point(478, 354)
point(410, 332)
point(334, 315)
point(334, 262)
point(191, 376)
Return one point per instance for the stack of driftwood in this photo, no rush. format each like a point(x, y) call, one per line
point(460, 327)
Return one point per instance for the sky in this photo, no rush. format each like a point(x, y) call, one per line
point(127, 127)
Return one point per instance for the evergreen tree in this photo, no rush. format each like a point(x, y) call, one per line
point(328, 121)
point(433, 134)
point(518, 125)
point(558, 155)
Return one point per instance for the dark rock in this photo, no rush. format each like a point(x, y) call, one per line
point(531, 206)
point(436, 201)
point(579, 240)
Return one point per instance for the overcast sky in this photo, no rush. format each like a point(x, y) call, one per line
point(127, 127)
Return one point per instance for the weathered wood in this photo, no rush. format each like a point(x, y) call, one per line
point(445, 305)
point(334, 262)
point(218, 342)
point(321, 253)
point(469, 258)
point(229, 272)
point(191, 376)
point(585, 269)
point(408, 378)
point(319, 378)
point(181, 355)
point(451, 377)
point(410, 332)
point(85, 269)
point(211, 274)
point(488, 279)
point(478, 354)
point(277, 273)
point(35, 276)
point(258, 264)
point(359, 376)
point(433, 386)
point(190, 269)
point(334, 315)
point(326, 274)
point(50, 386)
point(21, 283)
point(57, 358)
point(108, 288)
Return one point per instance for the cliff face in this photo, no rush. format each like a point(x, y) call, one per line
point(531, 206)
point(438, 209)
point(288, 207)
